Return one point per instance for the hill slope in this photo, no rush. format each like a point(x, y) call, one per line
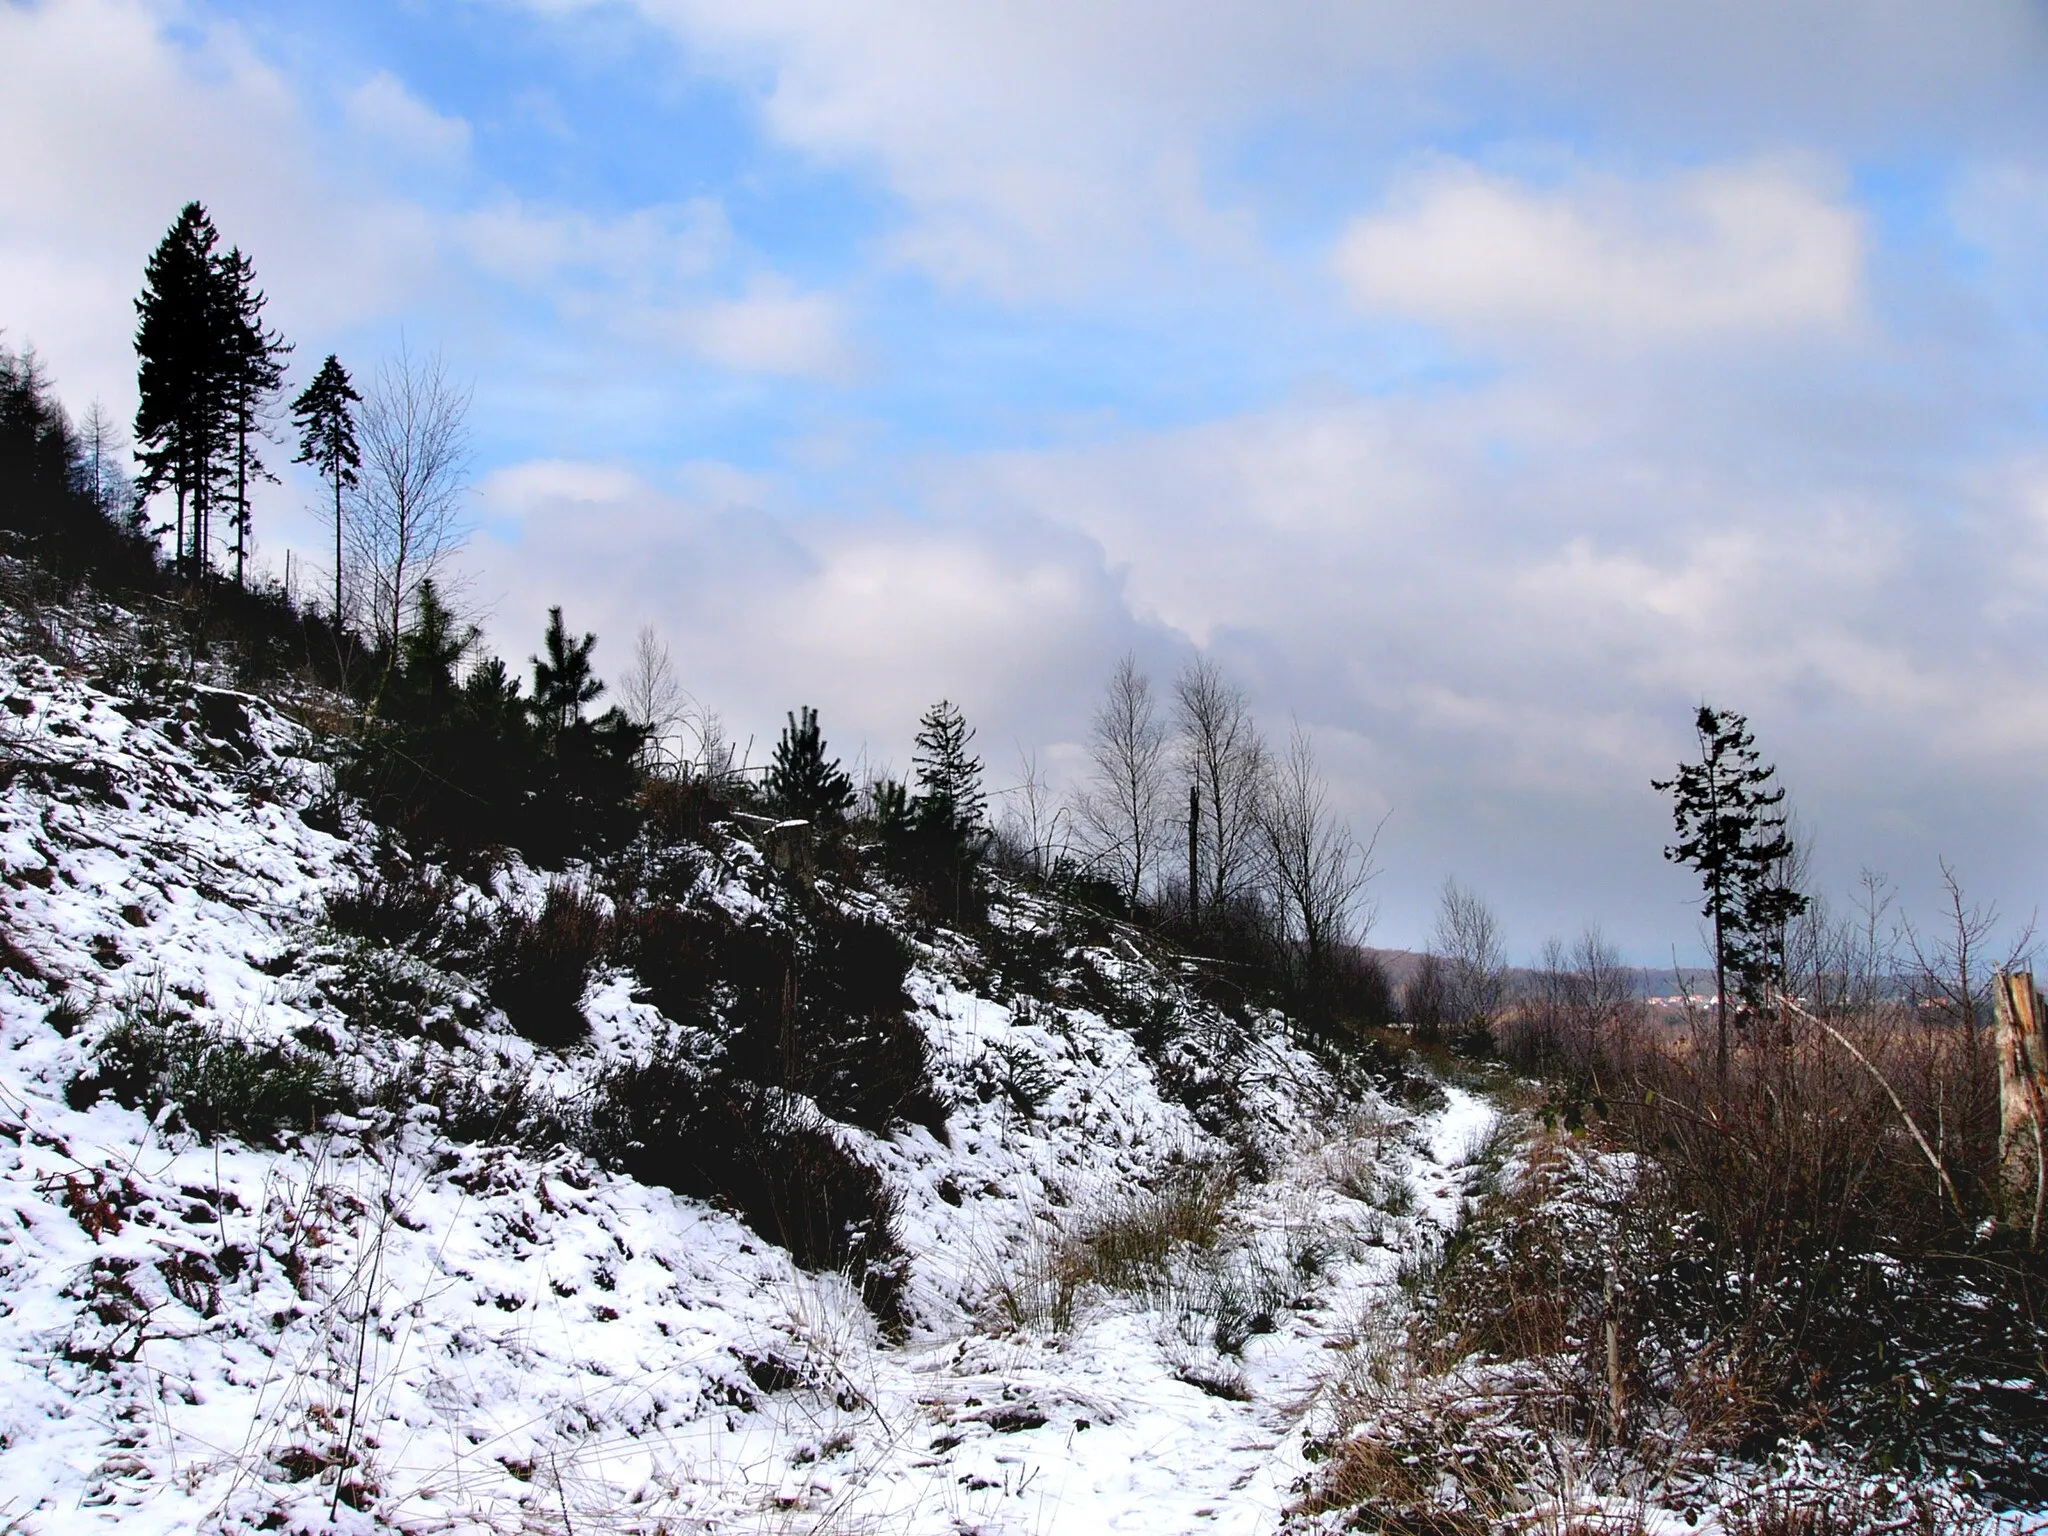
point(401, 1282)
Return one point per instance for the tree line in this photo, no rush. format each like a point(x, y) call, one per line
point(1188, 815)
point(210, 376)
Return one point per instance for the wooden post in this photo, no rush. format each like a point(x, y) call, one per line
point(2022, 1098)
point(1194, 854)
point(1614, 1396)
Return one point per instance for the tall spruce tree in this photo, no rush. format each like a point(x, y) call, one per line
point(325, 416)
point(802, 781)
point(950, 804)
point(180, 373)
point(254, 371)
point(1732, 833)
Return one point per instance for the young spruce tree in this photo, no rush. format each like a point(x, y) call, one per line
point(802, 781)
point(1732, 833)
point(950, 806)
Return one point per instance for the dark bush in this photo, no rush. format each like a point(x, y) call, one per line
point(539, 965)
point(857, 1051)
point(818, 1008)
point(664, 1121)
point(397, 907)
point(681, 809)
point(221, 1086)
point(681, 955)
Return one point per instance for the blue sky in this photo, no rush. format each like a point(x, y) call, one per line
point(1483, 385)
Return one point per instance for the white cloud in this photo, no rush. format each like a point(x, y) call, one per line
point(770, 329)
point(133, 107)
point(645, 254)
point(1751, 254)
point(1048, 147)
point(1520, 638)
point(384, 110)
point(768, 605)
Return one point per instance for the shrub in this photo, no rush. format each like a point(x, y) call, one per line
point(396, 907)
point(222, 1086)
point(679, 955)
point(818, 1008)
point(394, 992)
point(663, 1121)
point(1777, 1257)
point(540, 964)
point(858, 1052)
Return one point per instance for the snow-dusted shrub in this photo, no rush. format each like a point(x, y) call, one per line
point(150, 1056)
point(769, 1159)
point(815, 1004)
point(540, 963)
point(396, 907)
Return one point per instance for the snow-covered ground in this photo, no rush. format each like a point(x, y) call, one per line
point(192, 1335)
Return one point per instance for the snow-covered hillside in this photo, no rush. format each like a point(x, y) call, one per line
point(374, 1322)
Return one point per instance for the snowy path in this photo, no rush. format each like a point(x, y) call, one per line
point(1125, 1447)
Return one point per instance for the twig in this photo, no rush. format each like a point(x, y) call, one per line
point(1933, 1159)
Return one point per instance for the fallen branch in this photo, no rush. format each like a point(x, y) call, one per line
point(1933, 1159)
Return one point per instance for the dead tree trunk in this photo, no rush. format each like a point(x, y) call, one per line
point(2022, 1099)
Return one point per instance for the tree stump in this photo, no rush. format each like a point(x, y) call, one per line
point(2022, 1099)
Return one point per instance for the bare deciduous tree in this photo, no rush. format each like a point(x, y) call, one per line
point(1125, 803)
point(406, 509)
point(1318, 870)
point(1223, 756)
point(1034, 821)
point(1476, 964)
point(652, 698)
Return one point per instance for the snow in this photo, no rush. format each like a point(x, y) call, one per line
point(191, 1333)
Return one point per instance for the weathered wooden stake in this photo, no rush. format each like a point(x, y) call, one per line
point(1614, 1397)
point(2022, 1098)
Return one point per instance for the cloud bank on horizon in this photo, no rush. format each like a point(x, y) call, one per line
point(1484, 385)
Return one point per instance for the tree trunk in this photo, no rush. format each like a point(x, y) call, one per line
point(241, 499)
point(337, 552)
point(2022, 1100)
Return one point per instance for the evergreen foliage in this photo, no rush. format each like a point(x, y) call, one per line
point(950, 806)
point(1732, 833)
point(562, 680)
point(588, 770)
point(205, 367)
point(177, 373)
point(254, 373)
point(325, 416)
point(51, 487)
point(803, 783)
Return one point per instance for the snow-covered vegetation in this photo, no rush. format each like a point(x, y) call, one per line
point(300, 1227)
point(1015, 1227)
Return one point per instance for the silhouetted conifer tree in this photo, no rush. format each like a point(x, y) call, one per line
point(562, 680)
point(950, 804)
point(1731, 832)
point(254, 371)
point(325, 416)
point(181, 372)
point(802, 781)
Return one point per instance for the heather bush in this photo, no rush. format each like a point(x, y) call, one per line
point(664, 1120)
point(540, 963)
